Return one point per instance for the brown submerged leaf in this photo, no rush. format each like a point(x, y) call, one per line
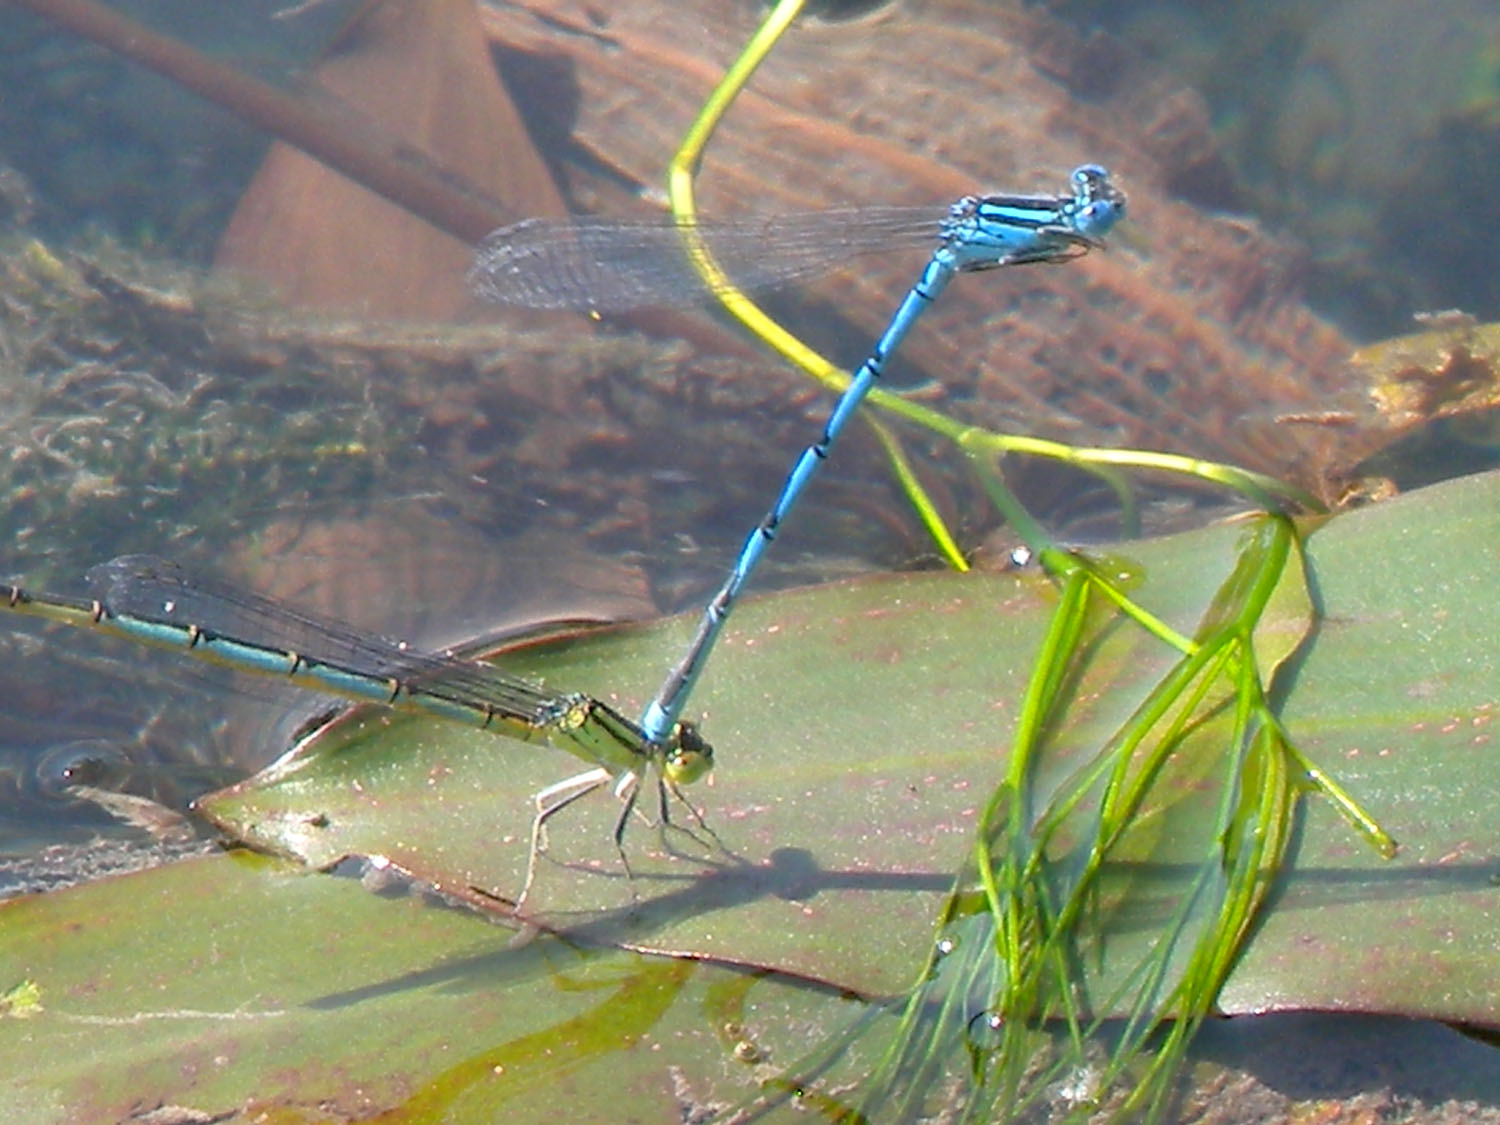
point(419, 69)
point(1189, 335)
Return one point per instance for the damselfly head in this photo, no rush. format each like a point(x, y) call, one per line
point(689, 756)
point(1099, 204)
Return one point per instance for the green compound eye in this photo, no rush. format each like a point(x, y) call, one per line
point(690, 757)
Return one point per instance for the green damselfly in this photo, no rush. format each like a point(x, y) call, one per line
point(156, 602)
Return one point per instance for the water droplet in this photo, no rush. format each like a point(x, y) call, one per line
point(985, 1030)
point(95, 762)
point(747, 1052)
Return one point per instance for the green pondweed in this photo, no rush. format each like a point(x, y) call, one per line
point(1012, 1014)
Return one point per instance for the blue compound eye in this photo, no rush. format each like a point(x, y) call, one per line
point(1089, 176)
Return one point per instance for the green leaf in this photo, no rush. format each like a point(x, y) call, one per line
point(238, 986)
point(859, 730)
point(241, 988)
point(861, 727)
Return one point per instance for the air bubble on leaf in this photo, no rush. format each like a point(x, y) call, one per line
point(985, 1030)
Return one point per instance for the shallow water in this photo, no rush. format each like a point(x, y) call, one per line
point(470, 476)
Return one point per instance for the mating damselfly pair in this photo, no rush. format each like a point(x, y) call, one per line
point(596, 265)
